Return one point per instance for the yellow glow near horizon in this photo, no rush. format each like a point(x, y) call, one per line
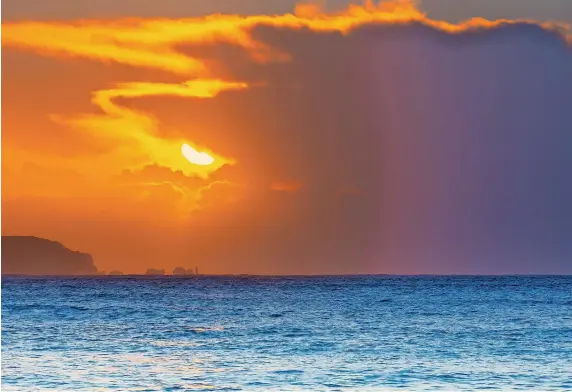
point(196, 157)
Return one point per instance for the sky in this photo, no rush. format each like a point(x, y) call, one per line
point(321, 138)
point(450, 10)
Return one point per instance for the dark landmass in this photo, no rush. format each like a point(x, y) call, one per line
point(182, 271)
point(152, 271)
point(23, 255)
point(116, 272)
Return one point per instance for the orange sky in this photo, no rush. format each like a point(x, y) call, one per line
point(95, 113)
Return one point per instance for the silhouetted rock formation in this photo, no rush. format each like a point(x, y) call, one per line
point(22, 255)
point(182, 271)
point(152, 271)
point(116, 272)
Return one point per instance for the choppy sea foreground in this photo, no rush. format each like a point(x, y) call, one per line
point(287, 334)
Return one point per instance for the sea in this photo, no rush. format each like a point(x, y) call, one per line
point(249, 333)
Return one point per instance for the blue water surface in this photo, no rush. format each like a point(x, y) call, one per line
point(366, 333)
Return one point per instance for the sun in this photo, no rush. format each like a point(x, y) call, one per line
point(195, 157)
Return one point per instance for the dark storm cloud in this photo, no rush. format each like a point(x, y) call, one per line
point(419, 152)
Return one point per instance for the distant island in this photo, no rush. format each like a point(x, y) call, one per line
point(27, 255)
point(183, 271)
point(179, 271)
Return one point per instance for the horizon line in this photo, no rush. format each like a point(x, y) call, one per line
point(289, 275)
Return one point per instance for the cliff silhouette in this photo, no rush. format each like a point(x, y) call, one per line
point(23, 255)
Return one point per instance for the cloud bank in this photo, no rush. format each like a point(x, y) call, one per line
point(370, 141)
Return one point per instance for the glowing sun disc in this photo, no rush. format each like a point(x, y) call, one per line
point(193, 156)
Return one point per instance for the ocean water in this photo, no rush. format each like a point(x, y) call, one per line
point(368, 333)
